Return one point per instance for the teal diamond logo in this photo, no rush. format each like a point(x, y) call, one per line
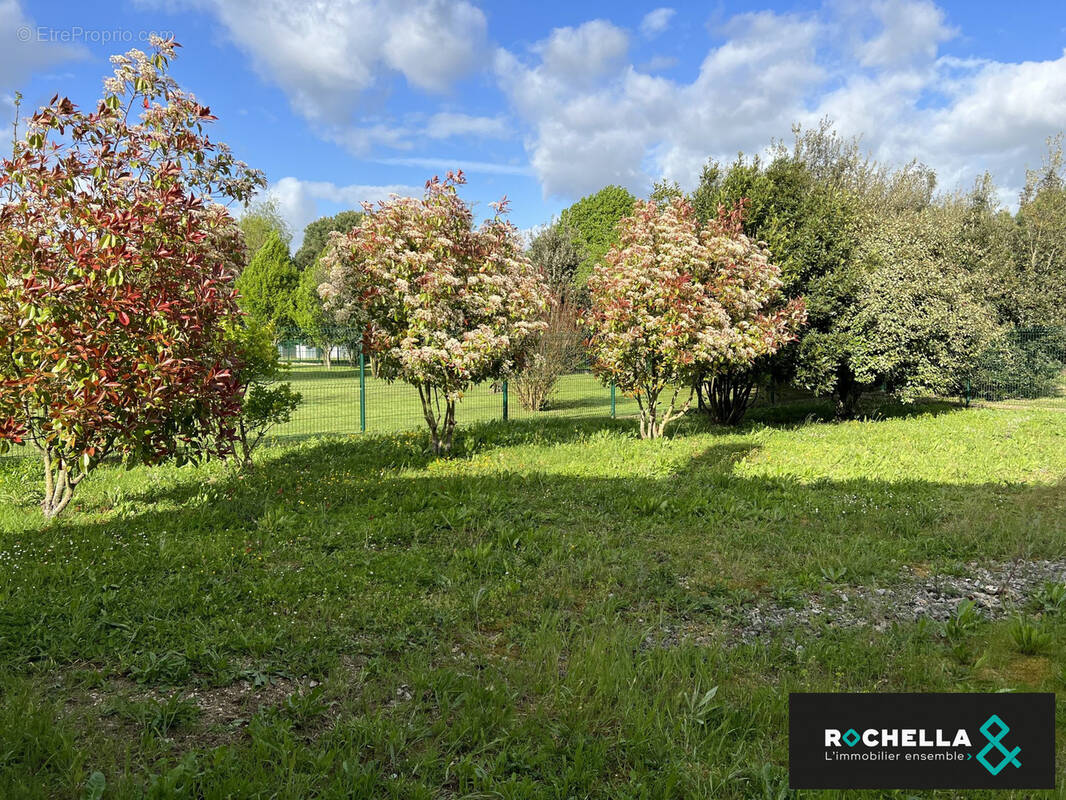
point(851, 738)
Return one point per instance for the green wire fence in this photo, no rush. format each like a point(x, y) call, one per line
point(345, 394)
point(1022, 364)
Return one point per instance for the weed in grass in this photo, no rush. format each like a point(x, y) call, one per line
point(158, 716)
point(653, 506)
point(833, 573)
point(959, 629)
point(1050, 598)
point(1028, 637)
point(120, 503)
point(170, 668)
point(276, 521)
point(699, 706)
point(305, 706)
point(177, 781)
point(95, 786)
point(788, 597)
point(772, 781)
point(261, 676)
point(964, 623)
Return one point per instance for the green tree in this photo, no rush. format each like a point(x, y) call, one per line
point(266, 287)
point(267, 400)
point(316, 235)
point(595, 218)
point(259, 220)
point(310, 315)
point(810, 227)
point(1040, 249)
point(663, 191)
point(915, 326)
point(984, 246)
point(556, 250)
point(882, 266)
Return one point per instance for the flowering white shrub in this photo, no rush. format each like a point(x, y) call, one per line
point(442, 304)
point(674, 300)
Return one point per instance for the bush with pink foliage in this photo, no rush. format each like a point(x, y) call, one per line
point(675, 300)
point(442, 304)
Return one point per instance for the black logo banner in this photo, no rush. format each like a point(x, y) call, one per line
point(921, 741)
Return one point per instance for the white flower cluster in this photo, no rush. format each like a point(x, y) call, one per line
point(441, 302)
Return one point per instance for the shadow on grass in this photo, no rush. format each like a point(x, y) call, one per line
point(379, 453)
point(332, 561)
point(321, 557)
point(806, 411)
point(576, 403)
point(703, 507)
point(320, 529)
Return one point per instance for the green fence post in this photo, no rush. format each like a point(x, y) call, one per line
point(362, 390)
point(612, 400)
point(969, 391)
point(503, 388)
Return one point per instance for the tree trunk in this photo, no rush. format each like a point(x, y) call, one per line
point(441, 426)
point(444, 445)
point(648, 401)
point(58, 485)
point(849, 392)
point(327, 355)
point(246, 445)
point(652, 424)
point(728, 396)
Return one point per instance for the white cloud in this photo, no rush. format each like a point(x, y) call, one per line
point(629, 125)
point(657, 21)
point(325, 54)
point(298, 200)
point(998, 120)
point(583, 54)
point(366, 139)
point(588, 116)
point(446, 125)
point(433, 43)
point(442, 165)
point(912, 30)
point(592, 118)
point(362, 140)
point(22, 54)
point(660, 63)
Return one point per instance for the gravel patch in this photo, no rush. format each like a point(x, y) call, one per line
point(996, 590)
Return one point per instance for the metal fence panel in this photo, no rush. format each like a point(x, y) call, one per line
point(1023, 363)
point(345, 394)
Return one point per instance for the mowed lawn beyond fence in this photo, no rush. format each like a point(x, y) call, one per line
point(332, 402)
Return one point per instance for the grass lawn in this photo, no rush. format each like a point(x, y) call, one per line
point(538, 616)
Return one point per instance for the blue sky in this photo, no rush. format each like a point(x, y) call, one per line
point(344, 100)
